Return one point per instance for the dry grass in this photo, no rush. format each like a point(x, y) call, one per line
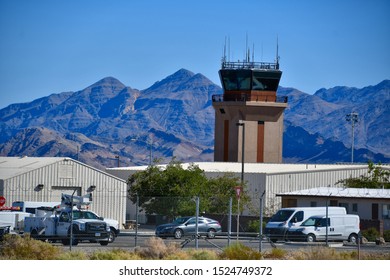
point(24, 248)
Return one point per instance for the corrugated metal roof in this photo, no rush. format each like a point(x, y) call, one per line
point(341, 192)
point(13, 166)
point(269, 168)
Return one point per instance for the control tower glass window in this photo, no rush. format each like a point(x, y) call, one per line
point(268, 82)
point(236, 80)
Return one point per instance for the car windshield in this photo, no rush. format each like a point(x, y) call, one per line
point(282, 216)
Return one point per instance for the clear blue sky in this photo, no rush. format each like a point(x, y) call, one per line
point(51, 46)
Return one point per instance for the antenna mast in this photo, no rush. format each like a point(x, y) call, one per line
point(277, 52)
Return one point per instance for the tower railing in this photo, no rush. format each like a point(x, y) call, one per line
point(243, 97)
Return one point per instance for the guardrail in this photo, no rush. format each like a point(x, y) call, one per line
point(243, 97)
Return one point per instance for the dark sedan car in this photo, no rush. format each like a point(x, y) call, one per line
point(187, 226)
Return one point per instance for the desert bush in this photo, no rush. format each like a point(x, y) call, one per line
point(238, 251)
point(203, 255)
point(156, 249)
point(371, 234)
point(15, 247)
point(74, 255)
point(115, 254)
point(276, 253)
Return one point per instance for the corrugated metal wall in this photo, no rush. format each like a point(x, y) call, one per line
point(282, 183)
point(109, 197)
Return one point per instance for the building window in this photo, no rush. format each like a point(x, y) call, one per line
point(345, 205)
point(354, 207)
point(313, 203)
point(333, 203)
point(289, 202)
point(386, 211)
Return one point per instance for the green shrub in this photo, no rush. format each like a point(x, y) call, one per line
point(238, 251)
point(386, 235)
point(15, 247)
point(371, 234)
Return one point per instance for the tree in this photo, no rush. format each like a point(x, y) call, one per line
point(376, 178)
point(171, 190)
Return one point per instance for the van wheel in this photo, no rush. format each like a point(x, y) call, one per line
point(311, 237)
point(353, 238)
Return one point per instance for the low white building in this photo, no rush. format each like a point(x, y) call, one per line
point(271, 178)
point(45, 178)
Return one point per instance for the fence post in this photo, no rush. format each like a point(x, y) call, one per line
point(196, 221)
point(261, 224)
point(136, 221)
point(230, 220)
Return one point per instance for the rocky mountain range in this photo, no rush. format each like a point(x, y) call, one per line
point(109, 124)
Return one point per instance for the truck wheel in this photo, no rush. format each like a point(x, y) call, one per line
point(111, 236)
point(103, 243)
point(34, 234)
point(75, 233)
point(311, 237)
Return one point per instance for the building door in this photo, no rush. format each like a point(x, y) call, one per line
point(375, 210)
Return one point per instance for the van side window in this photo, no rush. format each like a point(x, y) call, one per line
point(322, 222)
point(298, 217)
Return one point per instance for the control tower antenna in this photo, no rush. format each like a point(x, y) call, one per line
point(277, 53)
point(253, 53)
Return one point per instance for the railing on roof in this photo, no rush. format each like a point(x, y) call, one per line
point(250, 65)
point(248, 97)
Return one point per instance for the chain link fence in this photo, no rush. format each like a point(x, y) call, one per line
point(188, 220)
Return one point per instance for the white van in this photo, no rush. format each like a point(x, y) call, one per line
point(285, 218)
point(340, 228)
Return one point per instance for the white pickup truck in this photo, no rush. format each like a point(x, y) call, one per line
point(53, 225)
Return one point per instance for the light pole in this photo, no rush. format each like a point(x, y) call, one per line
point(150, 143)
point(117, 157)
point(352, 118)
point(241, 123)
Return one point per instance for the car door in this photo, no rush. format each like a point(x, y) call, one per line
point(190, 226)
point(320, 229)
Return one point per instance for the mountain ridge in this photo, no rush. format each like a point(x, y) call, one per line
point(174, 118)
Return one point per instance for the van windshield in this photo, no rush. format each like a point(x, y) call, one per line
point(282, 216)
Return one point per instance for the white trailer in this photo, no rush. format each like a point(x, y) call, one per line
point(14, 219)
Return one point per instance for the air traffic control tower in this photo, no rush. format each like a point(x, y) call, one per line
point(249, 114)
